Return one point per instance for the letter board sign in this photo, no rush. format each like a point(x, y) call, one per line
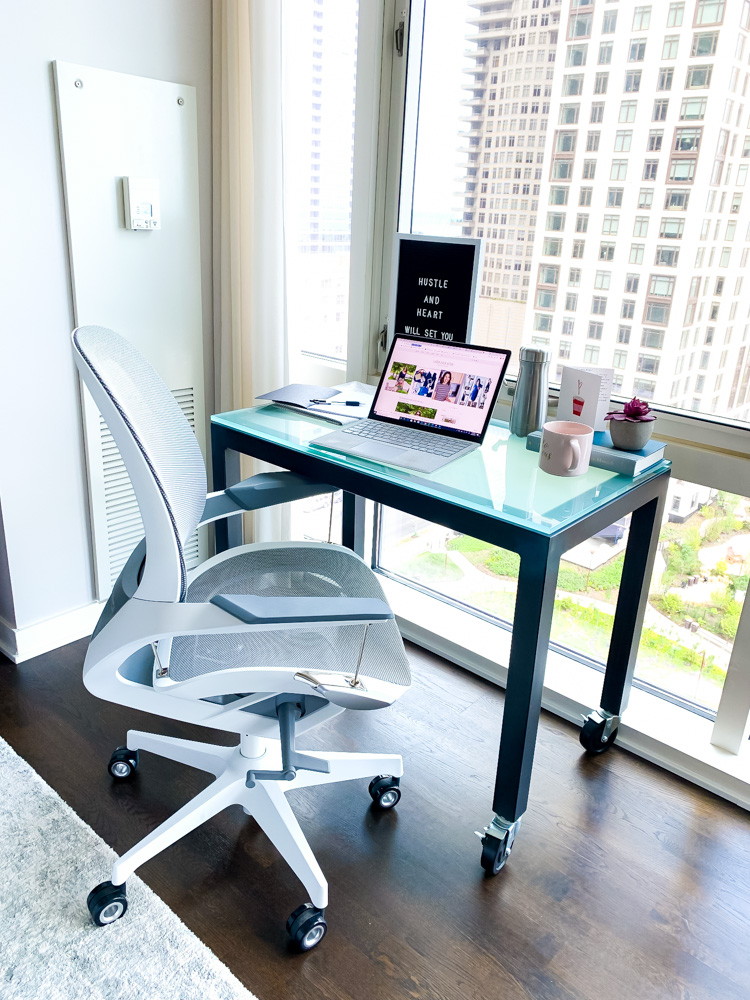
point(434, 286)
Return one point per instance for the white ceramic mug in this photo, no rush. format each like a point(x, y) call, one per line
point(565, 448)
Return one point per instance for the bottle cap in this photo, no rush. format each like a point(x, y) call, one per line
point(536, 355)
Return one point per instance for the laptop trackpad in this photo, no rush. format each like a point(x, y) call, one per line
point(379, 452)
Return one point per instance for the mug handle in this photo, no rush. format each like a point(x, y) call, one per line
point(576, 449)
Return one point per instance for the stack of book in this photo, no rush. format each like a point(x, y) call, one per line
point(604, 455)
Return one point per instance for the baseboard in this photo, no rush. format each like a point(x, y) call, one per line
point(20, 644)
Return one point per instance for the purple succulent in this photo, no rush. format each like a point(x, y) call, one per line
point(635, 412)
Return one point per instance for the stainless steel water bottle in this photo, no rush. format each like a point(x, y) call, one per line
point(529, 410)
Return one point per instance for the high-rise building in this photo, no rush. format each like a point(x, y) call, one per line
point(507, 118)
point(643, 220)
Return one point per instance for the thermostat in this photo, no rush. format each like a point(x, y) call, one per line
point(141, 201)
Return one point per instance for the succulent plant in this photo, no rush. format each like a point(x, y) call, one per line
point(635, 412)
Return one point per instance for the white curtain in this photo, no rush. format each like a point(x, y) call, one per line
point(250, 334)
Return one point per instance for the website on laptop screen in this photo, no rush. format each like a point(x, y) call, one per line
point(448, 387)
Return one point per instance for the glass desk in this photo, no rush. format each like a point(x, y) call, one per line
point(498, 494)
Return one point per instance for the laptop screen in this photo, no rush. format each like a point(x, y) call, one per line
point(449, 388)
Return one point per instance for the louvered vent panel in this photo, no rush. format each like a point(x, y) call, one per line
point(123, 519)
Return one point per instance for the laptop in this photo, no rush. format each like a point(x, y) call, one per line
point(432, 405)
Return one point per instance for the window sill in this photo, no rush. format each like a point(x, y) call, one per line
point(665, 734)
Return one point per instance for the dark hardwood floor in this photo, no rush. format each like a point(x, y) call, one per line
point(626, 883)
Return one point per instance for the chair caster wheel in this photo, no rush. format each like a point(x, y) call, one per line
point(590, 737)
point(306, 927)
point(385, 791)
point(123, 763)
point(107, 903)
point(495, 852)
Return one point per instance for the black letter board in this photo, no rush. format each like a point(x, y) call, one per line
point(435, 287)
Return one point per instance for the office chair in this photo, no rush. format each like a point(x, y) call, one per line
point(265, 640)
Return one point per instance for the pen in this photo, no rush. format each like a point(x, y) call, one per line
point(339, 402)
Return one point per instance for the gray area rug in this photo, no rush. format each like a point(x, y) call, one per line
point(49, 948)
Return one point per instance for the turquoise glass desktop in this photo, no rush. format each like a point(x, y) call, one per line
point(501, 479)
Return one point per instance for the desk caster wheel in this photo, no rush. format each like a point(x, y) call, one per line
point(495, 852)
point(306, 927)
point(107, 903)
point(385, 791)
point(591, 736)
point(123, 763)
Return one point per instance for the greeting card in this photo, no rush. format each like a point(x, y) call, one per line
point(584, 395)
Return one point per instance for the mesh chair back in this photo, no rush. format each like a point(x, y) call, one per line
point(157, 444)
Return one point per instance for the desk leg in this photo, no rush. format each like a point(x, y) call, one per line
point(225, 469)
point(535, 600)
point(600, 728)
point(353, 523)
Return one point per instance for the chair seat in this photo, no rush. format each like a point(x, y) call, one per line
point(292, 570)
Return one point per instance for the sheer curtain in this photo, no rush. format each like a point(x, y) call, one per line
point(250, 336)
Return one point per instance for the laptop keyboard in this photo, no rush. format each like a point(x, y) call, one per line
point(406, 437)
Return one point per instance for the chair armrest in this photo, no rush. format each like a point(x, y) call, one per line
point(298, 610)
point(264, 490)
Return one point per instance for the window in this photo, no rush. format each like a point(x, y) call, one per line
point(637, 50)
point(582, 223)
point(661, 286)
point(687, 140)
point(592, 142)
point(576, 55)
point(542, 322)
point(600, 83)
point(595, 330)
point(606, 251)
point(551, 247)
point(572, 85)
point(599, 305)
point(652, 338)
point(672, 229)
point(623, 140)
point(655, 138)
point(574, 276)
point(627, 111)
point(676, 14)
point(591, 355)
point(682, 170)
point(584, 196)
point(558, 195)
point(597, 112)
point(704, 43)
point(565, 142)
point(640, 227)
point(698, 77)
point(645, 198)
point(648, 363)
point(636, 253)
point(614, 197)
point(660, 109)
point(631, 283)
point(657, 312)
point(664, 79)
point(641, 18)
point(618, 170)
point(571, 302)
point(709, 12)
point(579, 25)
point(569, 114)
point(620, 359)
point(670, 46)
point(609, 22)
point(667, 257)
point(589, 170)
point(693, 109)
point(602, 279)
point(545, 299)
point(578, 248)
point(676, 199)
point(649, 169)
point(605, 53)
point(549, 274)
point(623, 335)
point(563, 350)
point(627, 310)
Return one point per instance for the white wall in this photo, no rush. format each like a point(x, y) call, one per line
point(42, 466)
